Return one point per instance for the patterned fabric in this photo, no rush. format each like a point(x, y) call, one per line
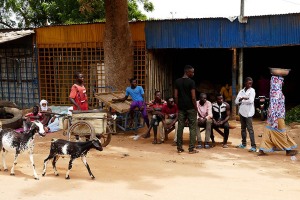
point(277, 101)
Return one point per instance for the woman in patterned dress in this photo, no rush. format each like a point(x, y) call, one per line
point(275, 137)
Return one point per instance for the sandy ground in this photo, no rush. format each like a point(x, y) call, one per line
point(129, 169)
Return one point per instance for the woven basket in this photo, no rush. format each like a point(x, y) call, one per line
point(121, 107)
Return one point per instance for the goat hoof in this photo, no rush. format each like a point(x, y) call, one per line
point(93, 177)
point(36, 178)
point(5, 170)
point(12, 174)
point(56, 174)
point(68, 177)
point(43, 174)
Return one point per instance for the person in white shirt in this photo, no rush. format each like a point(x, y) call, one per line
point(245, 101)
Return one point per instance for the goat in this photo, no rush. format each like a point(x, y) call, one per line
point(11, 140)
point(74, 150)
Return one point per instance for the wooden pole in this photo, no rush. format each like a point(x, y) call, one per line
point(233, 84)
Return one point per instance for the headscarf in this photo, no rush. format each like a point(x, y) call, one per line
point(277, 101)
point(44, 108)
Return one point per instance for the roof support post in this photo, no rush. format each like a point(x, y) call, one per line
point(233, 84)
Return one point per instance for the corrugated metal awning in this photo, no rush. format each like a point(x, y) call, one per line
point(13, 35)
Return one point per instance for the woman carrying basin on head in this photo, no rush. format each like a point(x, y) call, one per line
point(275, 137)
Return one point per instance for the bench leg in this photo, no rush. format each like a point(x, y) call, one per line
point(212, 137)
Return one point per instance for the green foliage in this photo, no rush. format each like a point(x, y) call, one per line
point(293, 115)
point(36, 13)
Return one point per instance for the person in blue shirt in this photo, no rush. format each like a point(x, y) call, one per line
point(137, 95)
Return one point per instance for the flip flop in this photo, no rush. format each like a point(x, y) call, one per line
point(261, 153)
point(155, 142)
point(292, 153)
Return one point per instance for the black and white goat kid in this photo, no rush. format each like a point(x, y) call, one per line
point(61, 147)
point(12, 141)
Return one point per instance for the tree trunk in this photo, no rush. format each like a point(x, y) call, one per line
point(118, 48)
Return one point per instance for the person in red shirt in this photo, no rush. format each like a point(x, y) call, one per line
point(78, 95)
point(155, 107)
point(32, 116)
point(170, 112)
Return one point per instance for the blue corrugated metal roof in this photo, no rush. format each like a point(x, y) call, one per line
point(273, 30)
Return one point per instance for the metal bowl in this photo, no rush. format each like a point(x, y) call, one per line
point(279, 71)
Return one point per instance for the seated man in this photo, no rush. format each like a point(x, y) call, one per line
point(221, 114)
point(30, 117)
point(137, 94)
point(48, 120)
point(170, 112)
point(204, 118)
point(155, 108)
point(44, 110)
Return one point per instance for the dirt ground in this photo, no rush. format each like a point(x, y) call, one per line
point(137, 169)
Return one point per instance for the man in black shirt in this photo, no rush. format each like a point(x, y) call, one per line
point(185, 98)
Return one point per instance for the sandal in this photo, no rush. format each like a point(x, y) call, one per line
point(225, 146)
point(193, 151)
point(261, 153)
point(292, 153)
point(252, 149)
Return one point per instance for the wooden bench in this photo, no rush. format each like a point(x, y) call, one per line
point(202, 129)
point(216, 129)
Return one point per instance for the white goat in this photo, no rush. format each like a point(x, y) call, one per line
point(11, 140)
point(61, 147)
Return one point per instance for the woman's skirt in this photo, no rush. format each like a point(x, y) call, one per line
point(276, 139)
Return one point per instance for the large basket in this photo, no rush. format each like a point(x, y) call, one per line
point(121, 107)
point(97, 118)
point(279, 71)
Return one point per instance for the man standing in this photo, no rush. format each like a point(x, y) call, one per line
point(245, 100)
point(221, 114)
point(204, 119)
point(78, 95)
point(185, 99)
